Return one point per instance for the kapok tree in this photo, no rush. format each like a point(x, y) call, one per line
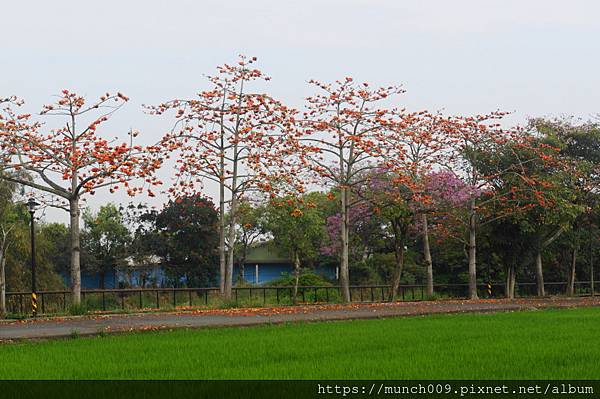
point(75, 160)
point(235, 138)
point(342, 138)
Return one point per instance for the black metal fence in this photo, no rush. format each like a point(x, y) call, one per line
point(53, 302)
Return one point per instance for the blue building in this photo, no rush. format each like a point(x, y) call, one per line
point(263, 264)
point(146, 273)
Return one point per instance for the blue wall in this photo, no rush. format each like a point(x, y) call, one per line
point(271, 271)
point(266, 273)
point(113, 278)
point(134, 278)
point(91, 281)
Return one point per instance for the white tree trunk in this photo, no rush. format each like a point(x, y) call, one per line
point(2, 284)
point(507, 282)
point(513, 282)
point(539, 274)
point(75, 252)
point(296, 276)
point(231, 250)
point(510, 282)
point(571, 282)
point(472, 253)
point(427, 256)
point(399, 238)
point(538, 261)
point(344, 272)
point(222, 257)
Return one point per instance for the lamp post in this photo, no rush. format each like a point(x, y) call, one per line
point(31, 205)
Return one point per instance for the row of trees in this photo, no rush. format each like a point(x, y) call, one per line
point(406, 174)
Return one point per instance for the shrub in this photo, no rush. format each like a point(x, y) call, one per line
point(306, 279)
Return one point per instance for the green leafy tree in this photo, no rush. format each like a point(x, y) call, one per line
point(15, 259)
point(57, 237)
point(185, 235)
point(105, 240)
point(579, 145)
point(8, 227)
point(538, 195)
point(249, 232)
point(297, 227)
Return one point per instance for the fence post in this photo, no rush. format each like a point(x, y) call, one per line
point(64, 302)
point(157, 299)
point(277, 294)
point(206, 297)
point(141, 301)
point(190, 297)
point(103, 301)
point(264, 296)
point(43, 307)
point(174, 298)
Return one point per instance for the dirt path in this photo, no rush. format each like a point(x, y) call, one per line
point(86, 325)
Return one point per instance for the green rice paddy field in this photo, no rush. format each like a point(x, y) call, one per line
point(549, 344)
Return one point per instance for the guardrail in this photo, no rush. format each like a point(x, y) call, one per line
point(51, 302)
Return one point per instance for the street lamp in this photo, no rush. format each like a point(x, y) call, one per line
point(31, 205)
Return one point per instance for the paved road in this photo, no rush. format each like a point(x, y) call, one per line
point(86, 325)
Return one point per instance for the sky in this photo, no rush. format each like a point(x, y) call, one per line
point(530, 57)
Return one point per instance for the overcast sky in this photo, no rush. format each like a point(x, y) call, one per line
point(533, 57)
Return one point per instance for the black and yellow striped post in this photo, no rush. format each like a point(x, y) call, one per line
point(31, 204)
point(34, 304)
point(489, 289)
